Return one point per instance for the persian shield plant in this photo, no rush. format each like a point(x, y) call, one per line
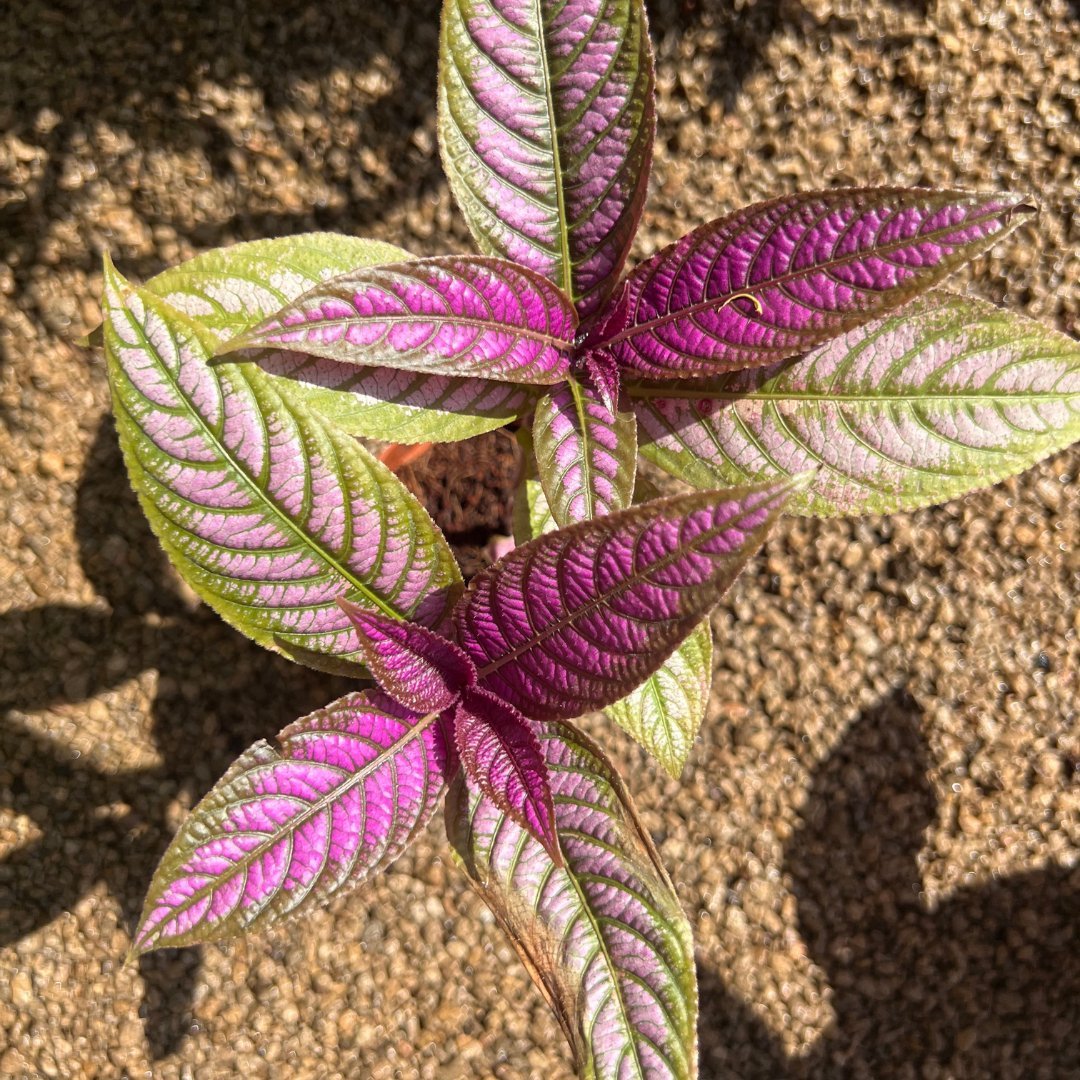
point(793, 356)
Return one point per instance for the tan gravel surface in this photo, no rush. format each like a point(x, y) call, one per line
point(877, 836)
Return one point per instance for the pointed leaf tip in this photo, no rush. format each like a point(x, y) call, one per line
point(414, 665)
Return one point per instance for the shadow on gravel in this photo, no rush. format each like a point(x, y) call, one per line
point(951, 985)
point(217, 693)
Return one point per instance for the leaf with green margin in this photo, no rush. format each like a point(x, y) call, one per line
point(268, 512)
point(229, 290)
point(586, 458)
point(342, 794)
point(945, 396)
point(665, 713)
point(546, 122)
point(603, 937)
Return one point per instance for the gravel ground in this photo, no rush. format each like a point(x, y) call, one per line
point(878, 833)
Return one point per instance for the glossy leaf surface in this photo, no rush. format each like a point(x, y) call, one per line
point(450, 315)
point(546, 121)
point(501, 755)
point(665, 713)
point(414, 665)
point(603, 937)
point(229, 290)
point(945, 396)
point(782, 276)
point(586, 457)
point(267, 512)
point(578, 618)
point(531, 513)
point(341, 796)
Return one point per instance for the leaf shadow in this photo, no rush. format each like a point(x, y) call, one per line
point(918, 988)
point(216, 694)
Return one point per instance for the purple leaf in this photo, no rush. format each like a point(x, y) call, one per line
point(603, 936)
point(500, 754)
point(574, 620)
point(452, 315)
point(266, 511)
point(413, 664)
point(604, 375)
point(779, 277)
point(586, 456)
point(947, 395)
point(546, 121)
point(342, 795)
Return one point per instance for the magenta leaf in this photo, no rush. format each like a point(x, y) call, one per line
point(500, 754)
point(286, 828)
point(268, 512)
point(947, 395)
point(586, 456)
point(779, 277)
point(460, 315)
point(413, 664)
point(603, 936)
point(604, 374)
point(574, 620)
point(546, 120)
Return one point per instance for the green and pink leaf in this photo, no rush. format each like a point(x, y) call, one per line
point(945, 396)
point(603, 935)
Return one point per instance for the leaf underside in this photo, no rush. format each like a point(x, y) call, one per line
point(230, 290)
point(576, 619)
point(546, 121)
point(603, 937)
point(665, 713)
point(288, 827)
point(586, 458)
point(267, 512)
point(945, 396)
point(777, 278)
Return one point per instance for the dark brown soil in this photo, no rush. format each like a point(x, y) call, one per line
point(877, 836)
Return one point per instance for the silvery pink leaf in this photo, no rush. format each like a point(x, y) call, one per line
point(546, 122)
point(414, 665)
point(502, 758)
point(576, 619)
point(779, 277)
point(603, 936)
point(945, 396)
point(266, 511)
point(586, 457)
point(666, 711)
point(229, 290)
point(341, 796)
point(462, 315)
